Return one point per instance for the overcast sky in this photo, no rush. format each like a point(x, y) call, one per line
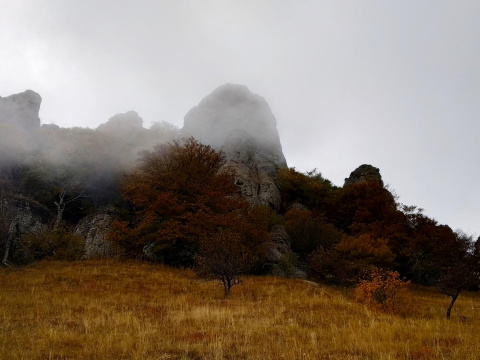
point(395, 84)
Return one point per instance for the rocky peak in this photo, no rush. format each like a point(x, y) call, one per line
point(232, 113)
point(364, 173)
point(21, 110)
point(240, 123)
point(122, 125)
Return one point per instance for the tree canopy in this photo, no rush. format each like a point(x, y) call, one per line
point(178, 198)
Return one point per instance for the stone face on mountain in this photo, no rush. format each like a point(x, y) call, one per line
point(21, 110)
point(241, 124)
point(364, 173)
point(22, 217)
point(94, 229)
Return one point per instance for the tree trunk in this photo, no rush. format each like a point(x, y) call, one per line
point(59, 218)
point(8, 245)
point(226, 288)
point(7, 251)
point(454, 298)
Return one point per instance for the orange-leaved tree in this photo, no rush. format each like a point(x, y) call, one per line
point(383, 290)
point(345, 262)
point(178, 197)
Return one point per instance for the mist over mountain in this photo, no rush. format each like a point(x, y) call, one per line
point(234, 120)
point(38, 160)
point(21, 110)
point(232, 112)
point(82, 187)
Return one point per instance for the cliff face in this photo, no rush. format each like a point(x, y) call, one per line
point(19, 120)
point(234, 120)
point(94, 229)
point(21, 110)
point(19, 217)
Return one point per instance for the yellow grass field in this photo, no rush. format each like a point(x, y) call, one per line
point(131, 310)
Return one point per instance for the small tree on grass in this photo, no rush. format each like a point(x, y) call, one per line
point(463, 270)
point(383, 290)
point(224, 257)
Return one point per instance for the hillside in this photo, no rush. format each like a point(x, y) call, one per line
point(112, 310)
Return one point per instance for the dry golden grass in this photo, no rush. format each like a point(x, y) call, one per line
point(113, 310)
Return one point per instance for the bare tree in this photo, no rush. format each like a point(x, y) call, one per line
point(63, 201)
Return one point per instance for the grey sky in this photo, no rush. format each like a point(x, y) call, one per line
point(395, 84)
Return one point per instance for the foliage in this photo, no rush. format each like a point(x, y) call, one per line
point(179, 198)
point(365, 208)
point(422, 246)
point(309, 189)
point(224, 257)
point(345, 263)
point(384, 290)
point(462, 272)
point(308, 231)
point(61, 244)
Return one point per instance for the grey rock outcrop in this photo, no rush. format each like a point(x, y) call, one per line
point(241, 124)
point(94, 229)
point(21, 217)
point(121, 125)
point(279, 258)
point(364, 173)
point(21, 110)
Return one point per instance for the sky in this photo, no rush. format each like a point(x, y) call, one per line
point(394, 84)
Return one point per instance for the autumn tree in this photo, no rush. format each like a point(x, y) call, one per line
point(178, 197)
point(308, 230)
point(383, 290)
point(309, 189)
point(345, 263)
point(427, 247)
point(365, 208)
point(224, 257)
point(462, 271)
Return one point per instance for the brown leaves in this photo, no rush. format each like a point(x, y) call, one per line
point(383, 290)
point(178, 196)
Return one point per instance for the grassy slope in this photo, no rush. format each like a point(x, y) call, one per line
point(112, 310)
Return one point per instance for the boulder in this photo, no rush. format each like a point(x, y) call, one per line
point(279, 257)
point(20, 216)
point(364, 173)
point(94, 229)
point(241, 124)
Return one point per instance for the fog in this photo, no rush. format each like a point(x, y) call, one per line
point(232, 112)
point(392, 84)
point(81, 159)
